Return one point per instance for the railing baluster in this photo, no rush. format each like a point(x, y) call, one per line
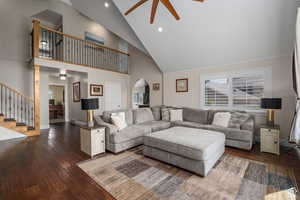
point(17, 108)
point(28, 112)
point(21, 109)
point(1, 100)
point(14, 100)
point(5, 102)
point(9, 99)
point(65, 48)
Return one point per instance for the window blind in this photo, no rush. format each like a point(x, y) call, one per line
point(217, 92)
point(247, 91)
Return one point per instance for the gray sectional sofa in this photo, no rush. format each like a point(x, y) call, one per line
point(144, 121)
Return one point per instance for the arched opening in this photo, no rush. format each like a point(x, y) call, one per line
point(141, 94)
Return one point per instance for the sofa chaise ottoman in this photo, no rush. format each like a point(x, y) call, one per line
point(195, 150)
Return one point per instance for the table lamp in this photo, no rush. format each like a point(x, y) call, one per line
point(270, 104)
point(89, 105)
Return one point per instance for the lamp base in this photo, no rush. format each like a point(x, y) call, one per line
point(90, 120)
point(270, 118)
point(90, 124)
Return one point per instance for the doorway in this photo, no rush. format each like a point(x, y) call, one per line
point(56, 104)
point(141, 94)
point(113, 95)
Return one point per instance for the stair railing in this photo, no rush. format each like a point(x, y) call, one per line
point(58, 46)
point(16, 106)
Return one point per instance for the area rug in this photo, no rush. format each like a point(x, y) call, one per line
point(131, 176)
point(7, 134)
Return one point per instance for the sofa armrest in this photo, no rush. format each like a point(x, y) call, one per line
point(110, 128)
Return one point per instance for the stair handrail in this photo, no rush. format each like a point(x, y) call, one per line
point(17, 92)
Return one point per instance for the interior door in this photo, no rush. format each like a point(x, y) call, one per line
point(113, 95)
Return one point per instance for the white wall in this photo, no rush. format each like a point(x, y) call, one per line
point(93, 76)
point(75, 112)
point(110, 18)
point(44, 106)
point(14, 38)
point(281, 86)
point(143, 67)
point(14, 53)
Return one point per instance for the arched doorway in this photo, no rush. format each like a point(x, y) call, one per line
point(141, 94)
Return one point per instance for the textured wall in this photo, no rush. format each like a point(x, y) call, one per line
point(281, 86)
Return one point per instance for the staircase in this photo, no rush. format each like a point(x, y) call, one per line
point(16, 111)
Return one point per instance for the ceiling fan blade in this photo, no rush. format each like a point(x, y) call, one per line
point(199, 0)
point(153, 10)
point(135, 6)
point(170, 8)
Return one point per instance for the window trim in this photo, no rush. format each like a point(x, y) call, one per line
point(265, 71)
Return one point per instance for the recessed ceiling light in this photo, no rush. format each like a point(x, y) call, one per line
point(160, 29)
point(106, 4)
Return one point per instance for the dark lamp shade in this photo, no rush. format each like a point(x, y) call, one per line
point(89, 104)
point(271, 103)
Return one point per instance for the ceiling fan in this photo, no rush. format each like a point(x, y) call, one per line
point(166, 3)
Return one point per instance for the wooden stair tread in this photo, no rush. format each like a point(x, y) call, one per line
point(20, 124)
point(30, 128)
point(9, 120)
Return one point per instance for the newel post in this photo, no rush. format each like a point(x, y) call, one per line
point(36, 75)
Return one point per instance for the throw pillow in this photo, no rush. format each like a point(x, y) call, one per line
point(165, 114)
point(118, 119)
point(238, 119)
point(221, 119)
point(156, 113)
point(176, 115)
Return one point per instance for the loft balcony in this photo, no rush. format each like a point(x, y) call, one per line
point(53, 45)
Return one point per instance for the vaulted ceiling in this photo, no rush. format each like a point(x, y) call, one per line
point(215, 32)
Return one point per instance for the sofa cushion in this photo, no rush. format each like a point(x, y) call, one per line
point(165, 114)
point(195, 115)
point(237, 119)
point(197, 144)
point(129, 133)
point(156, 125)
point(128, 115)
point(221, 119)
point(142, 115)
point(118, 119)
point(211, 113)
point(233, 133)
point(176, 115)
point(156, 111)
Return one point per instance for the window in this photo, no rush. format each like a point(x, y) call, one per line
point(236, 91)
point(216, 92)
point(247, 91)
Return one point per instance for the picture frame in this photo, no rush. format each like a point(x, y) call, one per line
point(93, 38)
point(76, 92)
point(182, 85)
point(96, 90)
point(156, 86)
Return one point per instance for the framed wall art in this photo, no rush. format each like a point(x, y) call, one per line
point(76, 92)
point(182, 85)
point(156, 86)
point(96, 90)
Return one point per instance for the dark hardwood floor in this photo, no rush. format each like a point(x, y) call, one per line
point(44, 167)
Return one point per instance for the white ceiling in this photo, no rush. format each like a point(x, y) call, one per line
point(110, 18)
point(215, 32)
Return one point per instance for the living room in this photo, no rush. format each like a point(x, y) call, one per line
point(159, 99)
